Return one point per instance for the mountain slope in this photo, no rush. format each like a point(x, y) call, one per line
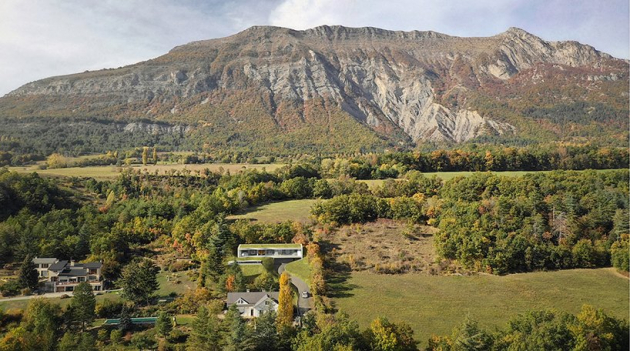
point(348, 89)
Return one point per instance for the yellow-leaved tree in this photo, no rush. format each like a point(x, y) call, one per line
point(285, 302)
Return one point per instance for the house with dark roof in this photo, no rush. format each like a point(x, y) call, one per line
point(63, 276)
point(253, 304)
point(42, 265)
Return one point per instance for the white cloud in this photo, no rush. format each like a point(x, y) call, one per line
point(603, 24)
point(42, 38)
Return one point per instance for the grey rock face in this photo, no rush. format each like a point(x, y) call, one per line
point(379, 77)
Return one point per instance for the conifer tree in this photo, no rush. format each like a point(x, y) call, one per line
point(164, 324)
point(237, 335)
point(83, 304)
point(145, 155)
point(205, 332)
point(28, 277)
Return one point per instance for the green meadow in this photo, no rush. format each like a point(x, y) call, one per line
point(293, 210)
point(435, 304)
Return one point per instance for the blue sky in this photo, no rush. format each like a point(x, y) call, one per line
point(42, 38)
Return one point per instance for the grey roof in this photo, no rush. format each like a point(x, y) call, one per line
point(74, 272)
point(58, 266)
point(44, 260)
point(92, 265)
point(252, 298)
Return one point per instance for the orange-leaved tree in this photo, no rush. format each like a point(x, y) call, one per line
point(285, 302)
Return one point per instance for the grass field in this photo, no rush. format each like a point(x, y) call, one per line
point(173, 282)
point(301, 269)
point(21, 304)
point(294, 210)
point(251, 271)
point(109, 172)
point(436, 304)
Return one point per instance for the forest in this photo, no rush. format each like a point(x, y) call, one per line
point(487, 222)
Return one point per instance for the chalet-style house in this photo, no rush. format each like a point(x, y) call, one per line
point(293, 251)
point(253, 304)
point(63, 276)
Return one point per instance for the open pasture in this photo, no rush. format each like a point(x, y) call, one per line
point(109, 172)
point(435, 304)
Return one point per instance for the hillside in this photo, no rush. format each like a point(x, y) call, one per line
point(329, 89)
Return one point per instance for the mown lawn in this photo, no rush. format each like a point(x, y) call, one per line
point(294, 210)
point(436, 304)
point(301, 269)
point(251, 271)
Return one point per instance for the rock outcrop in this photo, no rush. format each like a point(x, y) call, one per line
point(414, 83)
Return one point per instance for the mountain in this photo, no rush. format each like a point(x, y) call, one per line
point(330, 89)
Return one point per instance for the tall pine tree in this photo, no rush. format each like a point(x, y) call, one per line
point(83, 304)
point(28, 277)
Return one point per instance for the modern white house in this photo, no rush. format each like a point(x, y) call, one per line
point(253, 304)
point(63, 276)
point(294, 251)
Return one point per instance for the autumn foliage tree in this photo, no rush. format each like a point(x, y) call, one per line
point(285, 301)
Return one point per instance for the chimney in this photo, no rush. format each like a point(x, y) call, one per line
point(247, 290)
point(71, 263)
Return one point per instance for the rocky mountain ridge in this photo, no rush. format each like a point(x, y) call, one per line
point(405, 87)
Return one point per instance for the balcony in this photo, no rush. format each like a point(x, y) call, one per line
point(69, 283)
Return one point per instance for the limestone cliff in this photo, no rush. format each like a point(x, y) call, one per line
point(403, 86)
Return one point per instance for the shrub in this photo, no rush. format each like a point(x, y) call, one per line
point(108, 309)
point(115, 336)
point(102, 335)
point(10, 288)
point(177, 336)
point(178, 266)
point(192, 299)
point(620, 256)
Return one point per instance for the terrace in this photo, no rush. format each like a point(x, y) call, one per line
point(270, 250)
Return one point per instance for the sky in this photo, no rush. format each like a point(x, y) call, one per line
point(43, 38)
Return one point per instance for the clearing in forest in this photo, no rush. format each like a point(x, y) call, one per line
point(384, 246)
point(275, 212)
point(110, 172)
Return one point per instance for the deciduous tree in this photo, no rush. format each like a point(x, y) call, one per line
point(285, 301)
point(139, 280)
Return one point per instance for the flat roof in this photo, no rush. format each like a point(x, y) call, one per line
point(270, 246)
point(93, 265)
point(44, 260)
point(74, 272)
